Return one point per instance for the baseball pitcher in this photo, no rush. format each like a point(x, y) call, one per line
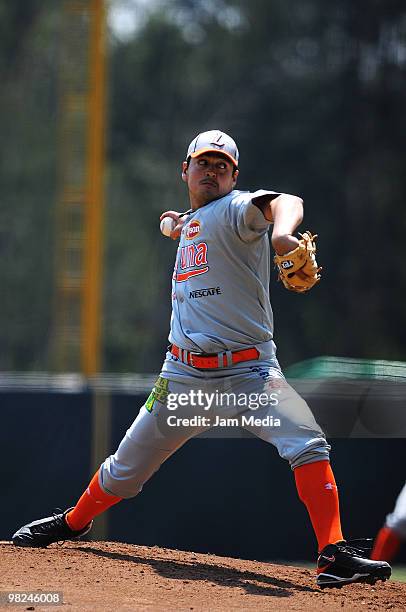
point(221, 367)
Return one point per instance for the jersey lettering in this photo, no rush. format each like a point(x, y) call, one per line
point(201, 254)
point(198, 293)
point(192, 261)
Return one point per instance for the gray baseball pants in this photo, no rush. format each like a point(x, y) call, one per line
point(187, 402)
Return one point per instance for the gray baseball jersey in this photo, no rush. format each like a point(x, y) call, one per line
point(220, 287)
point(221, 303)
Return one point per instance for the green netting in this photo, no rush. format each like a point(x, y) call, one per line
point(342, 367)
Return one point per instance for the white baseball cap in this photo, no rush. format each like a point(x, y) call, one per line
point(214, 141)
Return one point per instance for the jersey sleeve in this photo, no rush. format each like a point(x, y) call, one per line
point(246, 218)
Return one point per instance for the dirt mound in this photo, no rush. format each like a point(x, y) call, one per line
point(98, 576)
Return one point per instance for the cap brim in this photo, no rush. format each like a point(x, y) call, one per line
point(213, 150)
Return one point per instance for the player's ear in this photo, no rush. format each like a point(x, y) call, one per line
point(235, 176)
point(185, 166)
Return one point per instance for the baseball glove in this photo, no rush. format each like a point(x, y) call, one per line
point(298, 269)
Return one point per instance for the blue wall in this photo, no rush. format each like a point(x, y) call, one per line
point(226, 496)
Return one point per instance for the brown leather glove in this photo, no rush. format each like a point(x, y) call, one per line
point(298, 269)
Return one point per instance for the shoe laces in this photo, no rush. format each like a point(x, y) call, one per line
point(58, 516)
point(351, 550)
point(45, 527)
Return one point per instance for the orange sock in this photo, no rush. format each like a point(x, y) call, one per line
point(93, 502)
point(386, 545)
point(317, 489)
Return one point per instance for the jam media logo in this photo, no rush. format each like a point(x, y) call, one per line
point(191, 261)
point(192, 230)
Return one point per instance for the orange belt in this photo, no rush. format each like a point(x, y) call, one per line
point(203, 362)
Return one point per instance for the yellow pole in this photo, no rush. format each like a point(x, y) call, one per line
point(91, 313)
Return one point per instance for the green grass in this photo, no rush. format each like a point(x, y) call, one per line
point(399, 573)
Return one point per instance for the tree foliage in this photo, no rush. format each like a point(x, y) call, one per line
point(313, 93)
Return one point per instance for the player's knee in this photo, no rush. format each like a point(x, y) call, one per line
point(308, 451)
point(119, 480)
point(125, 472)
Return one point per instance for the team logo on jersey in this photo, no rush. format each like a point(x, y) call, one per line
point(159, 393)
point(192, 261)
point(192, 230)
point(198, 293)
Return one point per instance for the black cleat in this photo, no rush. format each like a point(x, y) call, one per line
point(343, 563)
point(39, 534)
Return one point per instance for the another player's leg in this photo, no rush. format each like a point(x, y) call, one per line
point(146, 445)
point(393, 533)
point(387, 544)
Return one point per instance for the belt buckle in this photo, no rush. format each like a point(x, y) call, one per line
point(191, 355)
